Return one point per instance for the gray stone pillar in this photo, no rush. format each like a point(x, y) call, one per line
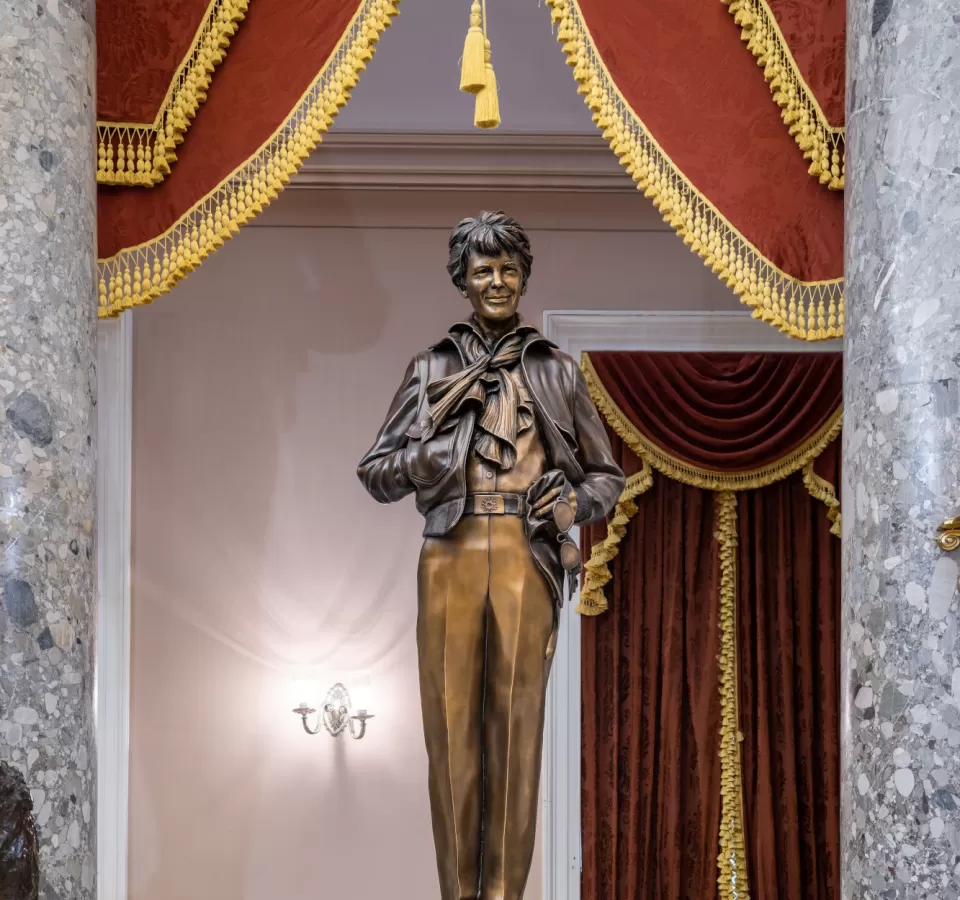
point(47, 426)
point(900, 818)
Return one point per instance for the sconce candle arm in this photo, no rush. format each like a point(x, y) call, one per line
point(336, 715)
point(303, 711)
point(358, 731)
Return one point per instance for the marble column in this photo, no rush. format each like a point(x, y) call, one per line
point(47, 427)
point(900, 816)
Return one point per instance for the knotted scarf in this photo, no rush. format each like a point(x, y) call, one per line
point(486, 380)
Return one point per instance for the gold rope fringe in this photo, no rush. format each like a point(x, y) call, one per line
point(693, 475)
point(806, 310)
point(821, 142)
point(597, 571)
point(821, 489)
point(142, 154)
point(732, 858)
point(138, 275)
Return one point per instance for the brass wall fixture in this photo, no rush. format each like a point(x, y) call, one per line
point(948, 536)
point(336, 715)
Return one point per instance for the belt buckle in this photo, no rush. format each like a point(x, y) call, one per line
point(489, 505)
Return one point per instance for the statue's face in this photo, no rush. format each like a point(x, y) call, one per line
point(494, 285)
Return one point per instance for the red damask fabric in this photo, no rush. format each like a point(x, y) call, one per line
point(683, 69)
point(816, 31)
point(140, 46)
point(272, 59)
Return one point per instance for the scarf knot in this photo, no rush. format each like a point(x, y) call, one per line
point(487, 380)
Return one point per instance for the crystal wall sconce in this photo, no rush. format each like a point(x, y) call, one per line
point(336, 715)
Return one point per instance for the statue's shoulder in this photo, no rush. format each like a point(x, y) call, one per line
point(551, 354)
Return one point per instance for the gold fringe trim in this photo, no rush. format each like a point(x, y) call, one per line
point(693, 475)
point(131, 154)
point(732, 860)
point(138, 275)
point(806, 310)
point(821, 489)
point(597, 571)
point(822, 143)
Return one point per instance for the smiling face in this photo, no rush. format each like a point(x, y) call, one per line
point(494, 285)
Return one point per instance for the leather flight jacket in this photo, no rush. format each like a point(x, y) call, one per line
point(573, 436)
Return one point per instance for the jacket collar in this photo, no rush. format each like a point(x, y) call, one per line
point(529, 332)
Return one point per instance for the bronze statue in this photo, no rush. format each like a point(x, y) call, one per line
point(494, 431)
point(19, 866)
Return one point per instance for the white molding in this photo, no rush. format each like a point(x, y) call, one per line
point(574, 332)
point(114, 442)
point(464, 162)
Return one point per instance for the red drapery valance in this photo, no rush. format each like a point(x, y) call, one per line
point(800, 46)
point(719, 421)
point(730, 413)
point(686, 111)
point(290, 68)
point(723, 570)
point(215, 103)
point(155, 62)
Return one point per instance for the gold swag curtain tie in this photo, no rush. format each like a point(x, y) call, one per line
point(476, 71)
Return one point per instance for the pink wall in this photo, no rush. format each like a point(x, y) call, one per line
point(257, 556)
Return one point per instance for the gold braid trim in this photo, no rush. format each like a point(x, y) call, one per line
point(809, 310)
point(821, 489)
point(732, 860)
point(597, 571)
point(138, 275)
point(141, 154)
point(696, 476)
point(821, 142)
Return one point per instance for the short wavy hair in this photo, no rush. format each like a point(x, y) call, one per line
point(490, 234)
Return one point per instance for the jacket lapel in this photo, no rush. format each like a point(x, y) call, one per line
point(560, 452)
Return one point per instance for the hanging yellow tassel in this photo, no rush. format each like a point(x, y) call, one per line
point(487, 110)
point(472, 77)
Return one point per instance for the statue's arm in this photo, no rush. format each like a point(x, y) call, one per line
point(383, 470)
point(604, 481)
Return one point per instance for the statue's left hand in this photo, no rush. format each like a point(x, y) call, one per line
point(558, 500)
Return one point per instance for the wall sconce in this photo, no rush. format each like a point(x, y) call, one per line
point(336, 715)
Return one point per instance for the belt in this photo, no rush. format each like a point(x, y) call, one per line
point(495, 505)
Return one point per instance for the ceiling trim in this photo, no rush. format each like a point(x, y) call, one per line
point(480, 161)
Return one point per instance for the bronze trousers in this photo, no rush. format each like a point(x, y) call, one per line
point(485, 637)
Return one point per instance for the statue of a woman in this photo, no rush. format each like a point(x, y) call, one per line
point(494, 431)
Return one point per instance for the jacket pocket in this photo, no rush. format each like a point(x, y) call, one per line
point(428, 463)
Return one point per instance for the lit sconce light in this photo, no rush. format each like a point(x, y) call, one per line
point(336, 715)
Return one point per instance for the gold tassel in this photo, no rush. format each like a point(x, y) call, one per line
point(472, 72)
point(487, 111)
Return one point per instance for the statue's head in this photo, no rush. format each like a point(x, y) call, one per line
point(490, 264)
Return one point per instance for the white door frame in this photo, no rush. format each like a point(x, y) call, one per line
point(112, 678)
point(574, 332)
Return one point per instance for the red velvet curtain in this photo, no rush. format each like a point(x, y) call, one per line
point(651, 789)
point(788, 606)
point(651, 707)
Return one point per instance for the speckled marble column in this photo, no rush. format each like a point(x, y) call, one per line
point(900, 820)
point(47, 427)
